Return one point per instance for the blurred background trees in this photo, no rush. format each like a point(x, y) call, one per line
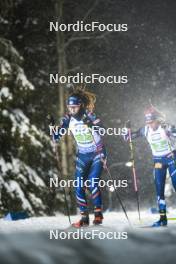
point(29, 52)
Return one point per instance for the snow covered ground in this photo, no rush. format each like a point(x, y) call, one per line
point(113, 220)
point(29, 241)
point(60, 221)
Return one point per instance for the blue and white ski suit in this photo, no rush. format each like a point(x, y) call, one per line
point(90, 151)
point(162, 143)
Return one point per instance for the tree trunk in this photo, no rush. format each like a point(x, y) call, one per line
point(66, 144)
point(61, 95)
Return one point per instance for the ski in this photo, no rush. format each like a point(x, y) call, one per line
point(83, 227)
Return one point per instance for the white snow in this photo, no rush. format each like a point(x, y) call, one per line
point(5, 93)
point(22, 80)
point(112, 220)
point(21, 118)
point(36, 201)
point(22, 178)
point(25, 175)
point(17, 167)
point(29, 241)
point(57, 222)
point(33, 177)
point(5, 113)
point(5, 166)
point(5, 67)
point(15, 187)
point(21, 122)
point(24, 172)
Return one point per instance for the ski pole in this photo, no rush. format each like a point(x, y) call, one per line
point(110, 176)
point(133, 168)
point(52, 122)
point(116, 193)
point(59, 169)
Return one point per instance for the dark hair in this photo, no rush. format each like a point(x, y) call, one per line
point(86, 97)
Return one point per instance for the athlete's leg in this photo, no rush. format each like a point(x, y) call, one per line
point(82, 166)
point(80, 175)
point(94, 177)
point(160, 170)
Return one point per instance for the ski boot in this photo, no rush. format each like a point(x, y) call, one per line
point(98, 218)
point(83, 222)
point(162, 221)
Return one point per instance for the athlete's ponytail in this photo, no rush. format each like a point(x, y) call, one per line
point(154, 114)
point(88, 99)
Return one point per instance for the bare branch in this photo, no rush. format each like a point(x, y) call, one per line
point(88, 37)
point(90, 10)
point(84, 18)
point(73, 69)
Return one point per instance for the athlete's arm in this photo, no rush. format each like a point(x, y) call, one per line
point(139, 133)
point(171, 130)
point(92, 120)
point(135, 134)
point(59, 131)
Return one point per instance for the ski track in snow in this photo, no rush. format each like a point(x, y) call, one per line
point(112, 220)
point(27, 241)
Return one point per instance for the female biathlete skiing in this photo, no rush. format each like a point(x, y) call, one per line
point(90, 155)
point(160, 136)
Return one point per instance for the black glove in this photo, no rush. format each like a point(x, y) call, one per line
point(50, 120)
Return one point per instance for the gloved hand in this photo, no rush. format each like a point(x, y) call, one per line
point(126, 137)
point(56, 138)
point(103, 155)
point(50, 120)
point(54, 133)
point(87, 120)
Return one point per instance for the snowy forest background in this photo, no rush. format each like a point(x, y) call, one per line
point(29, 52)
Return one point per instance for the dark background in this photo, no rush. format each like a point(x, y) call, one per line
point(145, 53)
